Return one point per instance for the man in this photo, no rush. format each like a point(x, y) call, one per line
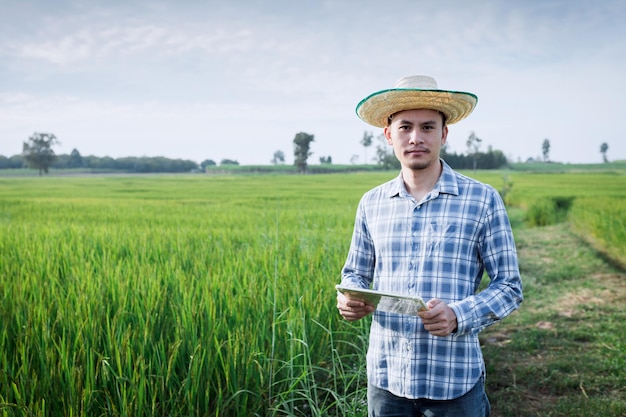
point(430, 232)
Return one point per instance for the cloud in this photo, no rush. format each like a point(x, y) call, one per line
point(98, 43)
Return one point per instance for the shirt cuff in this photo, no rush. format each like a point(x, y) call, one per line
point(353, 281)
point(463, 310)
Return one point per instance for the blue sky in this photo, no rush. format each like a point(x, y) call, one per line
point(214, 79)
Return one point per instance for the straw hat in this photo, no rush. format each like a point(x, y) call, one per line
point(415, 92)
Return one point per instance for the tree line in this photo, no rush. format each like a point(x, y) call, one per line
point(37, 153)
point(106, 163)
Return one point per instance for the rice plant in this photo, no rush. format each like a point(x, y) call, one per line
point(175, 296)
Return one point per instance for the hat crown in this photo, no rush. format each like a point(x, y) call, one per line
point(421, 82)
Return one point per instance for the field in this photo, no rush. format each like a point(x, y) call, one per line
point(204, 295)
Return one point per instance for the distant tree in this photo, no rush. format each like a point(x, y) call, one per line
point(279, 158)
point(76, 160)
point(354, 159)
point(366, 142)
point(545, 149)
point(61, 162)
point(153, 164)
point(326, 160)
point(301, 152)
point(105, 162)
point(17, 161)
point(384, 157)
point(473, 145)
point(229, 162)
point(206, 163)
point(603, 148)
point(38, 153)
point(5, 162)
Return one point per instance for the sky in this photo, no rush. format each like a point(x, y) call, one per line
point(239, 79)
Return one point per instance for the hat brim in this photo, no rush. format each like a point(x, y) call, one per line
point(376, 108)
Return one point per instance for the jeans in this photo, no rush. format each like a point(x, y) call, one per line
point(382, 403)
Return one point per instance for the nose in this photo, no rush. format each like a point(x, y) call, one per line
point(415, 137)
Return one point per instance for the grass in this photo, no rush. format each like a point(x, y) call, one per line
point(564, 352)
point(213, 295)
point(602, 224)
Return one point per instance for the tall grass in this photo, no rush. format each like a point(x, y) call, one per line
point(195, 296)
point(602, 222)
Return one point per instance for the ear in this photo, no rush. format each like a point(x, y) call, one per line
point(444, 135)
point(387, 133)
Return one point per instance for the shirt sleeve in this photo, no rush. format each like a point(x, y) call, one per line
point(503, 295)
point(358, 271)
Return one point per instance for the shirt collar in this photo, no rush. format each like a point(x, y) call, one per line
point(446, 184)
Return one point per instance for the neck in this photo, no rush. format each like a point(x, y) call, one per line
point(419, 182)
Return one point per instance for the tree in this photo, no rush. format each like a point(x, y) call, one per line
point(207, 163)
point(279, 158)
point(76, 160)
point(492, 159)
point(326, 160)
point(38, 151)
point(15, 161)
point(545, 148)
point(603, 148)
point(229, 162)
point(384, 157)
point(301, 152)
point(366, 142)
point(473, 145)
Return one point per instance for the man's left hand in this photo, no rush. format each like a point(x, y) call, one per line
point(440, 320)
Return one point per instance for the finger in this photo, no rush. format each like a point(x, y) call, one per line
point(429, 316)
point(352, 313)
point(351, 316)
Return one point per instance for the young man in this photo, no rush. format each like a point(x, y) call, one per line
point(430, 232)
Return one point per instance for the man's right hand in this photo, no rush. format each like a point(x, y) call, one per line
point(352, 310)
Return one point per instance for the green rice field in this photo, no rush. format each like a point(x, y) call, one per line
point(212, 295)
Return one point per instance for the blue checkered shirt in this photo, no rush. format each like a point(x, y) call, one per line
point(435, 248)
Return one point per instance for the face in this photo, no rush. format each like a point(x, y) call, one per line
point(417, 137)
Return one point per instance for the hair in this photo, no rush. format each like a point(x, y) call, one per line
point(443, 118)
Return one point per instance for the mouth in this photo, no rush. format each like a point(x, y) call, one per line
point(417, 151)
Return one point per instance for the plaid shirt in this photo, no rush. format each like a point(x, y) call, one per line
point(436, 248)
